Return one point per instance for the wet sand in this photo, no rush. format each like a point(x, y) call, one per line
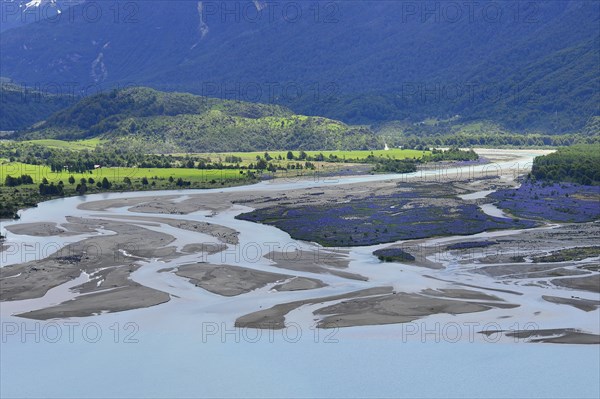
point(131, 296)
point(103, 205)
point(591, 283)
point(319, 261)
point(39, 230)
point(300, 284)
point(586, 305)
point(130, 243)
point(404, 307)
point(274, 317)
point(556, 336)
point(232, 280)
point(223, 234)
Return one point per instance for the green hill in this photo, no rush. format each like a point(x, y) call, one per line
point(156, 121)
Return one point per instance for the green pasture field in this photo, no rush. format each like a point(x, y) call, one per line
point(249, 157)
point(116, 175)
point(78, 145)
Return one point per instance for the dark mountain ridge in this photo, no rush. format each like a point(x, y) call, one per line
point(527, 65)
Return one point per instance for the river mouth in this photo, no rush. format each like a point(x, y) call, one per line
point(150, 252)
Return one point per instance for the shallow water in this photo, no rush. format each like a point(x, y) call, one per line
point(493, 210)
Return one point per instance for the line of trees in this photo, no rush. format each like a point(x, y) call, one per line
point(51, 189)
point(10, 181)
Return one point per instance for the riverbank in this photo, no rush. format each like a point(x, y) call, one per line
point(16, 199)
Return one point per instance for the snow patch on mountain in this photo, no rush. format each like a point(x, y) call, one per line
point(38, 3)
point(203, 25)
point(33, 3)
point(99, 71)
point(259, 4)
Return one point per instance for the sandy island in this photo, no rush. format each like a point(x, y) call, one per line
point(232, 280)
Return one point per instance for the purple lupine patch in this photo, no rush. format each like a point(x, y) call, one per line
point(558, 202)
point(381, 219)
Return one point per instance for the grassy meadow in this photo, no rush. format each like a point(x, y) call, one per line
point(349, 156)
point(39, 172)
point(78, 145)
